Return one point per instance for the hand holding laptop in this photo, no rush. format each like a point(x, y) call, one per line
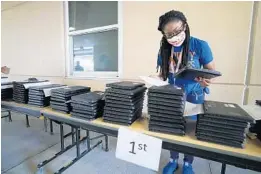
point(193, 73)
point(203, 82)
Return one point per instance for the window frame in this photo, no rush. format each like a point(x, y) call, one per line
point(69, 73)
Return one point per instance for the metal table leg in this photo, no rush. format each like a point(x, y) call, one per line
point(9, 116)
point(77, 142)
point(73, 137)
point(45, 124)
point(223, 169)
point(27, 121)
point(51, 127)
point(88, 140)
point(106, 143)
point(42, 164)
point(61, 170)
point(79, 133)
point(79, 154)
point(62, 137)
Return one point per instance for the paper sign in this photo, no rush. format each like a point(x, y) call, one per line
point(138, 148)
point(28, 85)
point(193, 109)
point(154, 81)
point(47, 91)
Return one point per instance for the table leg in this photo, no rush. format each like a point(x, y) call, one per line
point(45, 124)
point(51, 127)
point(79, 134)
point(70, 163)
point(61, 135)
point(27, 121)
point(106, 143)
point(223, 169)
point(77, 142)
point(73, 137)
point(88, 139)
point(9, 115)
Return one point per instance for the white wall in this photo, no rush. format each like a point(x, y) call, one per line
point(33, 39)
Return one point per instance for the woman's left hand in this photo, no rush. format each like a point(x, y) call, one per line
point(203, 82)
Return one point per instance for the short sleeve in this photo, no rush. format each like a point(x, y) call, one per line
point(206, 53)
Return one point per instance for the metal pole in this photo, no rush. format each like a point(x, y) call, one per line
point(77, 142)
point(61, 135)
point(79, 133)
point(88, 139)
point(27, 121)
point(51, 127)
point(223, 169)
point(73, 138)
point(106, 143)
point(9, 115)
point(45, 124)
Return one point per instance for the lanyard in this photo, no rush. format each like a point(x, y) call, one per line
point(179, 57)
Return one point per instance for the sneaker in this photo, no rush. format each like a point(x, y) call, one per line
point(187, 168)
point(171, 167)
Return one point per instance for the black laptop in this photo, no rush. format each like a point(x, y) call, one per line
point(192, 73)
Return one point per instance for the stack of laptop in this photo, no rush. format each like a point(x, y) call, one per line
point(258, 123)
point(88, 106)
point(258, 129)
point(223, 123)
point(123, 102)
point(166, 106)
point(6, 90)
point(40, 95)
point(61, 97)
point(20, 89)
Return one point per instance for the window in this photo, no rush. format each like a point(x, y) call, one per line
point(93, 39)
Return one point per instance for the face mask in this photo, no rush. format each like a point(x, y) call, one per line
point(178, 40)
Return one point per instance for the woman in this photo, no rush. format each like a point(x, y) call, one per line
point(179, 49)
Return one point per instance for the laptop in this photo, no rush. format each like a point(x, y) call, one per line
point(192, 73)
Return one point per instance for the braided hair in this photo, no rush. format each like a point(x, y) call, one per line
point(165, 47)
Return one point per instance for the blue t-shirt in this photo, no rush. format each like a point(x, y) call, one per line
point(200, 54)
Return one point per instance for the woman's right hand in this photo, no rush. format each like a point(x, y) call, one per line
point(203, 82)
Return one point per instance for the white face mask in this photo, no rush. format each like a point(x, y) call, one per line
point(177, 41)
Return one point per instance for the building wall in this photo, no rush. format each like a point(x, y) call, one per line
point(33, 39)
point(33, 42)
point(254, 86)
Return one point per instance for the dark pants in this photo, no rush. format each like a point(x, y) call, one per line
point(187, 158)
